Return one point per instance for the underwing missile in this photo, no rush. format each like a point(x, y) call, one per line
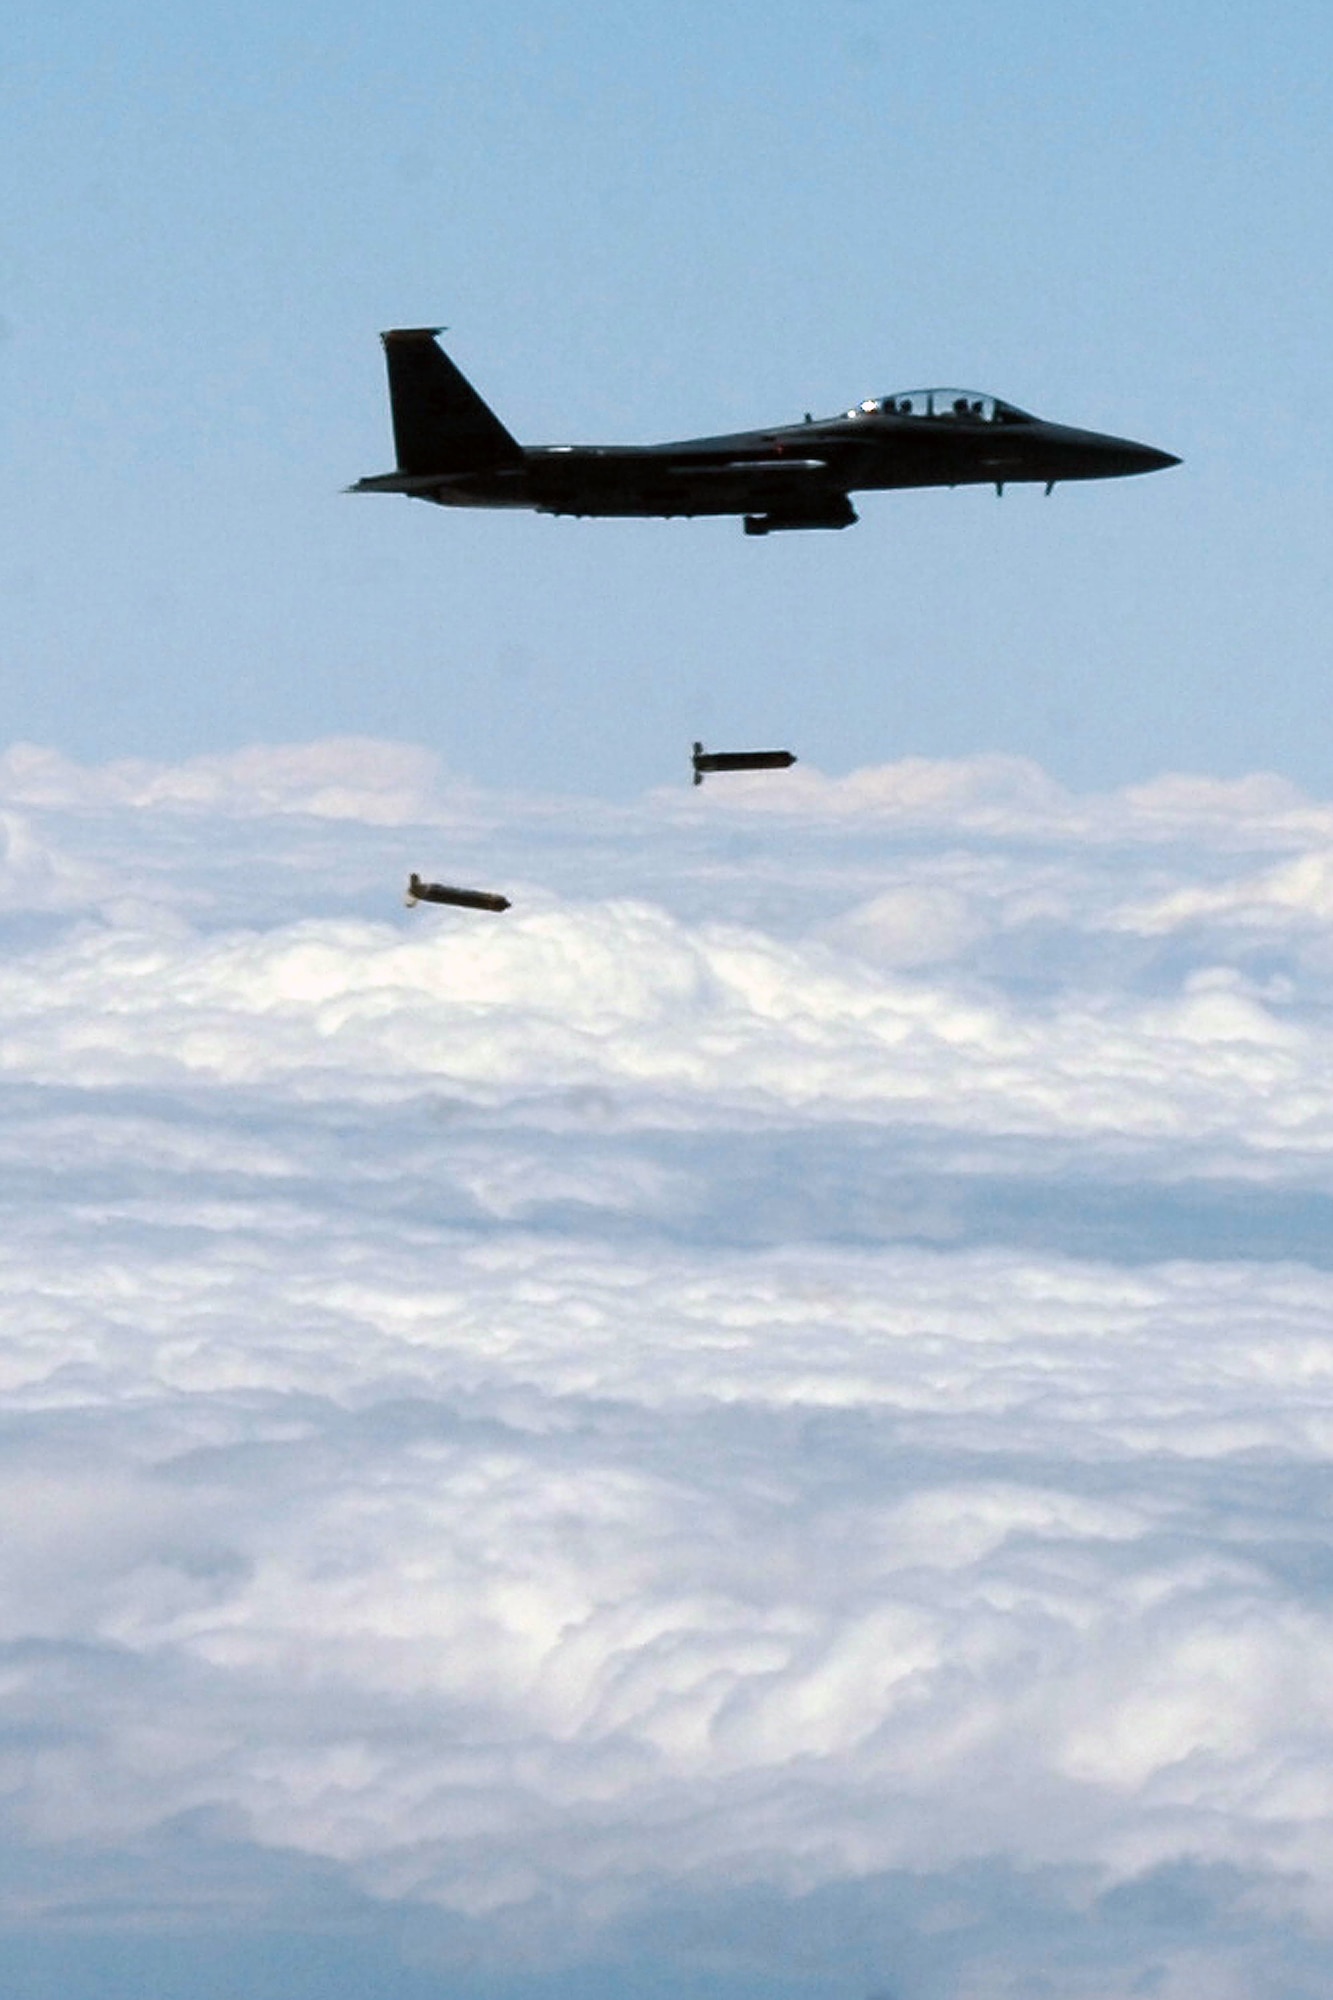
point(739, 760)
point(465, 899)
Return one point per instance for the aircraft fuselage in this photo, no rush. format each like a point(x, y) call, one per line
point(453, 450)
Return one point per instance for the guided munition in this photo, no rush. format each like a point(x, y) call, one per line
point(739, 760)
point(465, 899)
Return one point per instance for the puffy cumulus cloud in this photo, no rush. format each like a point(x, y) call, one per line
point(703, 1021)
point(988, 792)
point(34, 875)
point(1293, 900)
point(910, 926)
point(726, 1443)
point(350, 777)
point(999, 796)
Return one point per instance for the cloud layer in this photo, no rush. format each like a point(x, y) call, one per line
point(762, 1421)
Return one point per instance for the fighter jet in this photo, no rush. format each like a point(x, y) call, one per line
point(453, 449)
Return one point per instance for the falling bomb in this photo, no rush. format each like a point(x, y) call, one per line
point(463, 899)
point(739, 760)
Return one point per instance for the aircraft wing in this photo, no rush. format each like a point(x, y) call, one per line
point(758, 485)
point(753, 468)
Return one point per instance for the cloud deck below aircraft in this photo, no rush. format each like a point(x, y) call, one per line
point(621, 1440)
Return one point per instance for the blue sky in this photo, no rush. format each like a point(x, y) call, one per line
point(643, 223)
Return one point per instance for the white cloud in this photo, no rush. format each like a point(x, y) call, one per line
point(635, 1408)
point(998, 797)
point(349, 777)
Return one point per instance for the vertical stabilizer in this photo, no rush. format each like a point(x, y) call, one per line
point(440, 423)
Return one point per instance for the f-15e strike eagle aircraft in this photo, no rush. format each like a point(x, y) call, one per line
point(454, 450)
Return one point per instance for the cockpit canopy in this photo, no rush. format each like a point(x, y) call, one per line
point(955, 405)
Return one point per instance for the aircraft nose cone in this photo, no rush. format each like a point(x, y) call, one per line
point(1127, 455)
point(1097, 455)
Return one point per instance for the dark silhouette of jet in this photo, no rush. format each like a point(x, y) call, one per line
point(454, 450)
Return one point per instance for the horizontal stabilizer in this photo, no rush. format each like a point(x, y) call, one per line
point(440, 423)
point(418, 485)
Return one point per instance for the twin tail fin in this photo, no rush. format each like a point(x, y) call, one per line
point(440, 423)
